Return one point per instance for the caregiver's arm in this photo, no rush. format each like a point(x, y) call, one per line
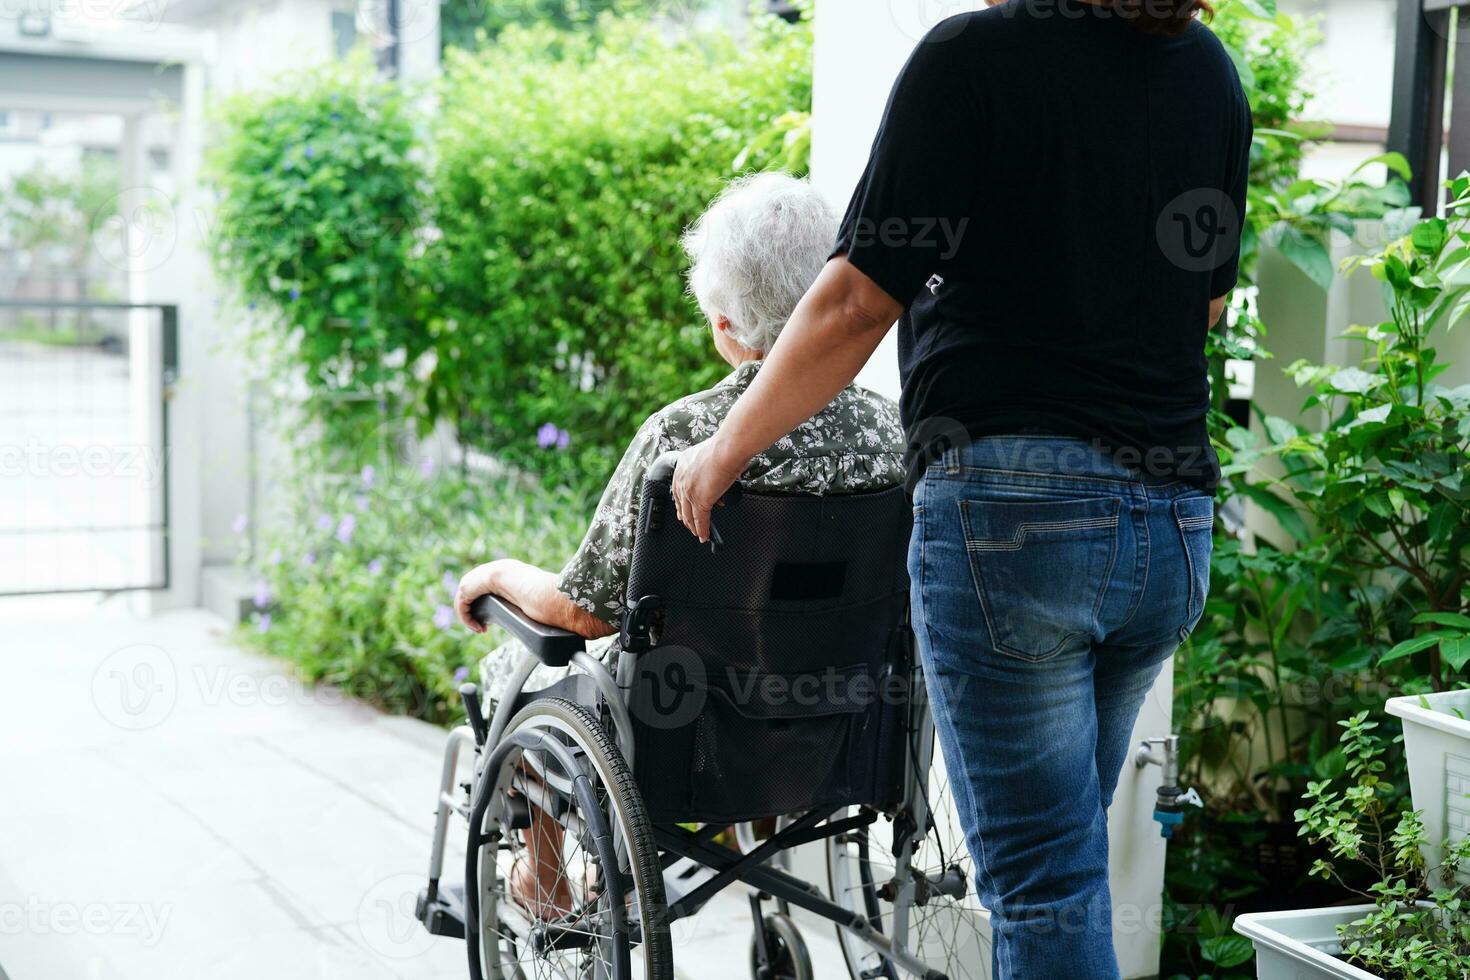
point(830, 336)
point(533, 590)
point(1217, 309)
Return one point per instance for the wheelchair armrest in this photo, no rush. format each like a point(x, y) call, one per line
point(553, 647)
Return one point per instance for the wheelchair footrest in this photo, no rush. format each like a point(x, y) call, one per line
point(442, 915)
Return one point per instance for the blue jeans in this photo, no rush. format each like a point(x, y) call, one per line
point(1050, 584)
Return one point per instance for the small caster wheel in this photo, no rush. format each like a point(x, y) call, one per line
point(788, 958)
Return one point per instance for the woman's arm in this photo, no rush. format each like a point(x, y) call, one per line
point(832, 333)
point(533, 590)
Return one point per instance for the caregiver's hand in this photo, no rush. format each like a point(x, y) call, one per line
point(830, 336)
point(703, 475)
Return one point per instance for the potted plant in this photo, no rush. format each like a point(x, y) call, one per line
point(1416, 922)
point(1437, 742)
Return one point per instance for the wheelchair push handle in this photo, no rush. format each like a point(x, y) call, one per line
point(662, 471)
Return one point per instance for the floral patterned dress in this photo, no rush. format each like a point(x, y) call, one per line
point(855, 444)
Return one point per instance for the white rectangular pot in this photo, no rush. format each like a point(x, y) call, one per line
point(1437, 743)
point(1301, 945)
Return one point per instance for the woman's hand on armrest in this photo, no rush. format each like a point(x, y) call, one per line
point(533, 590)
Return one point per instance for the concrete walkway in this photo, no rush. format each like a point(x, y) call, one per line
point(173, 807)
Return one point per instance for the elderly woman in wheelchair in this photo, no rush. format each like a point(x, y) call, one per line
point(656, 684)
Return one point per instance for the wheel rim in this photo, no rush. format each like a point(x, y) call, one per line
point(522, 944)
point(949, 934)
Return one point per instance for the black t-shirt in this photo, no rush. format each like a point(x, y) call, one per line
point(1055, 197)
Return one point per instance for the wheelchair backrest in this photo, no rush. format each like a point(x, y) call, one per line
point(777, 679)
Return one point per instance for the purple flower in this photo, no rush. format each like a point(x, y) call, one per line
point(375, 567)
point(240, 523)
point(262, 595)
point(324, 522)
point(310, 558)
point(426, 467)
point(443, 617)
point(547, 435)
point(451, 584)
point(295, 292)
point(310, 151)
point(345, 529)
point(360, 502)
point(263, 623)
point(275, 558)
point(461, 675)
point(369, 476)
point(563, 439)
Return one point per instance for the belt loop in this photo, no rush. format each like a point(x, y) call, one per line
point(952, 461)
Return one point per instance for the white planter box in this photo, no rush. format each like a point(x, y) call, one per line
point(1301, 945)
point(1437, 742)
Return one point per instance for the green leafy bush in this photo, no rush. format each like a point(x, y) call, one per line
point(319, 204)
point(567, 168)
point(1420, 927)
point(356, 590)
point(472, 24)
point(1366, 593)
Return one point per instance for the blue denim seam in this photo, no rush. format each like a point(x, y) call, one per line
point(1145, 546)
point(1190, 620)
point(1030, 479)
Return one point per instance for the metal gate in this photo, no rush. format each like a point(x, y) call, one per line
point(84, 445)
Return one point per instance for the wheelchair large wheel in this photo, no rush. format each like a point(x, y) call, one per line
point(927, 906)
point(563, 793)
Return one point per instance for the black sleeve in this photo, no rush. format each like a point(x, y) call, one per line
point(1224, 278)
point(914, 200)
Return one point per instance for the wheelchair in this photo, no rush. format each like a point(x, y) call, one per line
point(764, 696)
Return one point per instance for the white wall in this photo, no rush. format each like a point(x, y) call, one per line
point(860, 47)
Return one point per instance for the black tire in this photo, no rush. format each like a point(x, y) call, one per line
point(789, 957)
point(602, 762)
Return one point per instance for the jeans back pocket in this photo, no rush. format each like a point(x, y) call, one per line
point(1195, 517)
point(1041, 569)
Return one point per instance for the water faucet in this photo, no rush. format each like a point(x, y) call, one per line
point(1171, 799)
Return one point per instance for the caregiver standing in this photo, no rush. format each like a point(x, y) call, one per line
point(1052, 213)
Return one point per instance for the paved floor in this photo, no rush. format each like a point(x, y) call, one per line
point(173, 807)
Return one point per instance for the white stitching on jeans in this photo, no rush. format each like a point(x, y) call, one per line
point(1018, 538)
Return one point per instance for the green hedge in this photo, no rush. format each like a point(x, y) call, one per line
point(516, 271)
point(356, 590)
point(568, 166)
point(319, 202)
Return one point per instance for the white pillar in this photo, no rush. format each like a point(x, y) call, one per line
point(145, 351)
point(860, 46)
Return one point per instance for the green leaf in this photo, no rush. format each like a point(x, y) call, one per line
point(1455, 651)
point(1394, 161)
point(1308, 255)
point(1264, 9)
point(1354, 380)
point(1227, 951)
point(1429, 236)
point(1450, 619)
point(1408, 647)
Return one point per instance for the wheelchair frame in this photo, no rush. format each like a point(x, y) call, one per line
point(443, 914)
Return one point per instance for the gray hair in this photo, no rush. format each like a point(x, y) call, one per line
point(756, 251)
